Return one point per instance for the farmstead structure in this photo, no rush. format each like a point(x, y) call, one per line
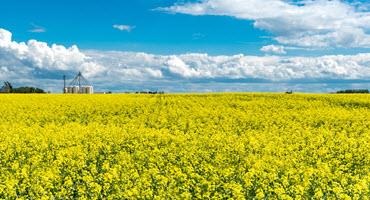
point(79, 85)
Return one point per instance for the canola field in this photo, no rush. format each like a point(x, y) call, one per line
point(190, 146)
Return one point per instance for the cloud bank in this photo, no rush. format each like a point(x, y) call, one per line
point(39, 64)
point(303, 23)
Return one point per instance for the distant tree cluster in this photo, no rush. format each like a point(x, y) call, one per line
point(354, 91)
point(150, 92)
point(8, 88)
point(289, 92)
point(28, 90)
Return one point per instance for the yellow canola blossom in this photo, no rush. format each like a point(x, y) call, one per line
point(190, 146)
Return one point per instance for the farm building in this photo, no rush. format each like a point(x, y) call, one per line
point(79, 85)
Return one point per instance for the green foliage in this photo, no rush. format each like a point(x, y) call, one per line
point(359, 91)
point(27, 90)
point(8, 88)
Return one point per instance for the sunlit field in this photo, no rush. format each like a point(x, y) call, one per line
point(218, 146)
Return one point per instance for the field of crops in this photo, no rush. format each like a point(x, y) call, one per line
point(254, 146)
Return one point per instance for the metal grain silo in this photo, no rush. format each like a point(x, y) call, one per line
point(79, 85)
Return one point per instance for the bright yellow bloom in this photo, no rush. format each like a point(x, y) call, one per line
point(190, 146)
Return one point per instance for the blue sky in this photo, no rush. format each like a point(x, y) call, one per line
point(180, 45)
point(88, 23)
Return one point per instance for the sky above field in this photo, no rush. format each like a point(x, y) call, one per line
point(187, 46)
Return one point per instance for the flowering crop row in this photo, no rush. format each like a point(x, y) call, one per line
point(214, 146)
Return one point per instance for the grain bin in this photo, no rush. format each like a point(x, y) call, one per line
point(79, 85)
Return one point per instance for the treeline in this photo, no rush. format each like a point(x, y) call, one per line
point(27, 90)
point(8, 88)
point(149, 92)
point(354, 91)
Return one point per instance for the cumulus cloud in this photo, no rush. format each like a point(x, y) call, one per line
point(122, 27)
point(319, 23)
point(270, 68)
point(179, 67)
point(40, 55)
point(273, 49)
point(39, 64)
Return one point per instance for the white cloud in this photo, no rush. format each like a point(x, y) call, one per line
point(155, 73)
point(273, 49)
point(39, 55)
point(123, 27)
point(177, 66)
point(271, 68)
point(37, 29)
point(306, 23)
point(43, 65)
point(5, 38)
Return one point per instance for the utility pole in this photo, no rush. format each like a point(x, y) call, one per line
point(79, 82)
point(64, 89)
